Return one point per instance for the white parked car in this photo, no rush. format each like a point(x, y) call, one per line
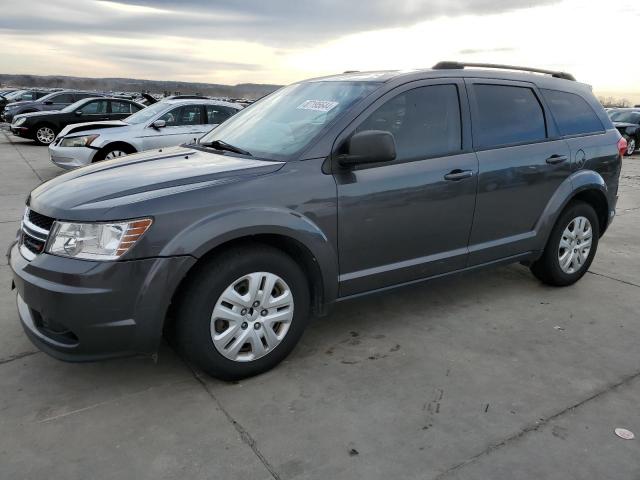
point(163, 124)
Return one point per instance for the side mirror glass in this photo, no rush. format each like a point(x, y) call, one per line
point(158, 124)
point(369, 146)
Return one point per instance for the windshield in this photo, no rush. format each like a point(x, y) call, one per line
point(286, 121)
point(626, 117)
point(146, 114)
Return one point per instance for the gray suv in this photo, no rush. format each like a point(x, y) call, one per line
point(52, 101)
point(325, 190)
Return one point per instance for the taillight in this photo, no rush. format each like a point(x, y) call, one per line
point(622, 146)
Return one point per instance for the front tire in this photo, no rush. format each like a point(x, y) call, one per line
point(45, 134)
point(571, 246)
point(242, 312)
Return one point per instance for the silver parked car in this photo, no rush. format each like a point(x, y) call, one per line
point(163, 124)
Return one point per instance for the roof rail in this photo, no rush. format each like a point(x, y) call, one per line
point(460, 65)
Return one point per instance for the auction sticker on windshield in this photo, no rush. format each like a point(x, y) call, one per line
point(317, 105)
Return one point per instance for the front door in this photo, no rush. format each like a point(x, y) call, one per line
point(410, 218)
point(183, 124)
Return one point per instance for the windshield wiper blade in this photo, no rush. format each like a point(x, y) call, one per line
point(220, 145)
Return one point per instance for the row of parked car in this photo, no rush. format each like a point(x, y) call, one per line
point(84, 127)
point(627, 121)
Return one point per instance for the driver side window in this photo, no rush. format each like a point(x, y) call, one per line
point(187, 115)
point(425, 122)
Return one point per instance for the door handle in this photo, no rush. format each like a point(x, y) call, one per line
point(555, 159)
point(458, 174)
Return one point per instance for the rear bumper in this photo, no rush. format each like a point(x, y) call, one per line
point(78, 310)
point(71, 157)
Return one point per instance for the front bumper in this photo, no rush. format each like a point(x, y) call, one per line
point(71, 157)
point(7, 116)
point(20, 131)
point(78, 310)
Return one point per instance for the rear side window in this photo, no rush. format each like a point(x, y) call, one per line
point(507, 115)
point(121, 107)
point(217, 113)
point(573, 114)
point(425, 122)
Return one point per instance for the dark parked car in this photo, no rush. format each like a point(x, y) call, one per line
point(627, 121)
point(52, 101)
point(44, 126)
point(21, 96)
point(325, 190)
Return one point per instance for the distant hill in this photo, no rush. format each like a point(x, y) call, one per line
point(243, 90)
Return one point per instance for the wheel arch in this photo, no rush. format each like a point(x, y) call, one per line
point(287, 231)
point(584, 185)
point(126, 146)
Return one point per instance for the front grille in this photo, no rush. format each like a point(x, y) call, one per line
point(40, 220)
point(35, 232)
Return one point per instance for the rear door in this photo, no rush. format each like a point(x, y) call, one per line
point(216, 114)
point(522, 161)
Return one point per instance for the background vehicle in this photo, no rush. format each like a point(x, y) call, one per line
point(52, 101)
point(324, 190)
point(627, 121)
point(44, 126)
point(163, 124)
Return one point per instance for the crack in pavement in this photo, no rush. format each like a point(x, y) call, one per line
point(534, 427)
point(17, 356)
point(244, 434)
point(613, 278)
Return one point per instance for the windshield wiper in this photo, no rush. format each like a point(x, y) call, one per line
point(220, 145)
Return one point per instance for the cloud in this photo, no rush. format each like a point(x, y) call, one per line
point(281, 23)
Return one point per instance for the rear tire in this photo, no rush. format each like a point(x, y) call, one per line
point(631, 145)
point(236, 339)
point(566, 258)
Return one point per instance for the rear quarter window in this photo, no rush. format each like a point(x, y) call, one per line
point(572, 113)
point(507, 115)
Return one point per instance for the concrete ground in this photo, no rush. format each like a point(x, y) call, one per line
point(487, 376)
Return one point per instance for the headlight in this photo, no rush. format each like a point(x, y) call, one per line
point(19, 121)
point(95, 241)
point(83, 141)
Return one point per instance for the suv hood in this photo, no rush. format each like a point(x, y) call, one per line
point(624, 124)
point(88, 193)
point(86, 126)
point(36, 114)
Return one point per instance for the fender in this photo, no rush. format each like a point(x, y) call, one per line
point(227, 225)
point(577, 182)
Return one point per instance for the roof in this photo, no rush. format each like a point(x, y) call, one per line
point(540, 77)
point(204, 101)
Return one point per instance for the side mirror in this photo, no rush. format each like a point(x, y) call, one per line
point(158, 124)
point(48, 102)
point(369, 146)
point(78, 112)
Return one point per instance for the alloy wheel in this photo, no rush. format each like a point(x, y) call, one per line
point(115, 154)
point(631, 146)
point(575, 245)
point(252, 316)
point(45, 135)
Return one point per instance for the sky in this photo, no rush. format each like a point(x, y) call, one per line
point(282, 41)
